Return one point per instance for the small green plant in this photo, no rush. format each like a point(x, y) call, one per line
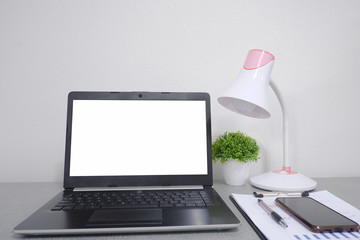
point(235, 146)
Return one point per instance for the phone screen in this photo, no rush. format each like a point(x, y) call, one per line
point(317, 216)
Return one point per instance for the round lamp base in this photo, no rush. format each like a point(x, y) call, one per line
point(282, 181)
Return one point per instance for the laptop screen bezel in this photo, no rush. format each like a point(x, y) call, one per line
point(138, 180)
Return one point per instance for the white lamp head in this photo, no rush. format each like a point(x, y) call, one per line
point(249, 93)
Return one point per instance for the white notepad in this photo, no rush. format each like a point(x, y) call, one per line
point(295, 230)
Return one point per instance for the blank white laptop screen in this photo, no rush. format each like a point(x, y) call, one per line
point(130, 138)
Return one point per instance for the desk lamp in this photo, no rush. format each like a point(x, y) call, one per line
point(249, 96)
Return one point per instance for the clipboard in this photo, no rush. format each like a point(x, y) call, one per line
point(266, 228)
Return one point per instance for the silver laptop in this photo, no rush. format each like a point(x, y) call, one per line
point(135, 162)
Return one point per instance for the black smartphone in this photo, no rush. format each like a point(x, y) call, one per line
point(317, 216)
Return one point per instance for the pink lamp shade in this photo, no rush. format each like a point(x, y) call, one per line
point(257, 58)
point(248, 95)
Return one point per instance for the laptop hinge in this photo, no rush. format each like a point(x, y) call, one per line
point(137, 188)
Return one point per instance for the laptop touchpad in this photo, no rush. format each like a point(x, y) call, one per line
point(125, 217)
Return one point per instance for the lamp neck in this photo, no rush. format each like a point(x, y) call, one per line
point(286, 154)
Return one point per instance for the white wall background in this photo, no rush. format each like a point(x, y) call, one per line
point(51, 47)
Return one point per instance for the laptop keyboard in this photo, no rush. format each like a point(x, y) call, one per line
point(134, 199)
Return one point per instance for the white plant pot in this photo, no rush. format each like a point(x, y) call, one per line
point(236, 173)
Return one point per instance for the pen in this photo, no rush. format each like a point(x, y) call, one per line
point(273, 214)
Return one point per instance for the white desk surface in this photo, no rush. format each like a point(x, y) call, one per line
point(19, 200)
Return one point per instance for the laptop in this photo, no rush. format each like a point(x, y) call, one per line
point(135, 162)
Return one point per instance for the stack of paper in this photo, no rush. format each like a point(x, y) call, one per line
point(295, 230)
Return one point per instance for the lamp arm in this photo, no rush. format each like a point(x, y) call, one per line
point(286, 154)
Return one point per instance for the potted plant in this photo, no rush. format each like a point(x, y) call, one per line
point(235, 151)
